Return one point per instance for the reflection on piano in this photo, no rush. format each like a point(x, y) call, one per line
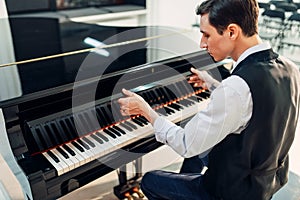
point(68, 134)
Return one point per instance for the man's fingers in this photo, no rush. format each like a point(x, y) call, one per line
point(127, 92)
point(195, 71)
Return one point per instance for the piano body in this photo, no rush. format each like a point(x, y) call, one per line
point(65, 129)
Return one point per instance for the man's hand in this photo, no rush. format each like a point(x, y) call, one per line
point(203, 79)
point(133, 104)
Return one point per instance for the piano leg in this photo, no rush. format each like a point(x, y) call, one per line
point(128, 187)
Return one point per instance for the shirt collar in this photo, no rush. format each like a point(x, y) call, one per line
point(251, 50)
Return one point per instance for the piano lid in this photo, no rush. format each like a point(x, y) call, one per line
point(49, 54)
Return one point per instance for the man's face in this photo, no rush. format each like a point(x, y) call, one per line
point(218, 46)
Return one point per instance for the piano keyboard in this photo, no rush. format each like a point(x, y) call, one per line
point(66, 150)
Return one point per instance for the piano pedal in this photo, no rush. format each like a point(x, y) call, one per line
point(128, 196)
point(138, 192)
point(129, 188)
point(129, 191)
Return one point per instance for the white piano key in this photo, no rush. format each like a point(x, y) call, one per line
point(86, 155)
point(87, 150)
point(64, 164)
point(57, 166)
point(73, 159)
point(78, 156)
point(103, 149)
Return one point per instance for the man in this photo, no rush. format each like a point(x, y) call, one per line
point(249, 125)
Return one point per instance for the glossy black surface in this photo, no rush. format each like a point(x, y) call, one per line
point(128, 47)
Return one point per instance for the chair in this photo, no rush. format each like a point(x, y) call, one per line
point(289, 8)
point(275, 2)
point(290, 43)
point(272, 24)
point(264, 5)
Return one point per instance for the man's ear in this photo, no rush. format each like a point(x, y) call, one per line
point(233, 31)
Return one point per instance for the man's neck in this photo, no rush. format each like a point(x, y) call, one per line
point(243, 44)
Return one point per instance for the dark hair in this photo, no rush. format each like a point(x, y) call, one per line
point(224, 12)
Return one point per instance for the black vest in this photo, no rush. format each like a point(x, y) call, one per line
point(253, 165)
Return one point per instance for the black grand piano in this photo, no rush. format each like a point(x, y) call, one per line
point(64, 130)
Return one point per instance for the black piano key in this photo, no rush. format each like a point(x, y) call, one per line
point(153, 97)
point(186, 102)
point(181, 90)
point(145, 96)
point(91, 119)
point(173, 91)
point(130, 124)
point(162, 98)
point(69, 150)
point(57, 131)
point(80, 124)
point(99, 117)
point(126, 126)
point(176, 106)
point(116, 111)
point(193, 99)
point(65, 129)
point(119, 129)
point(188, 87)
point(159, 98)
point(51, 134)
point(204, 94)
point(53, 156)
point(162, 111)
point(62, 152)
point(89, 142)
point(44, 137)
point(100, 135)
point(56, 126)
point(106, 114)
point(139, 118)
point(114, 131)
point(162, 94)
point(77, 146)
point(168, 94)
point(110, 114)
point(82, 143)
point(86, 128)
point(180, 87)
point(41, 143)
point(70, 124)
point(94, 118)
point(102, 119)
point(137, 121)
point(144, 119)
point(199, 98)
point(148, 97)
point(168, 110)
point(190, 100)
point(97, 139)
point(110, 133)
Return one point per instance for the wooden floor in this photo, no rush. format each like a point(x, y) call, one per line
point(165, 158)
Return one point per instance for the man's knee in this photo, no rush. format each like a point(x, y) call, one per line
point(146, 180)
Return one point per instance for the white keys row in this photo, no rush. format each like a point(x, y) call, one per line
point(101, 149)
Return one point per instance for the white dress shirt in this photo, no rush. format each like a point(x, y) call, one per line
point(229, 111)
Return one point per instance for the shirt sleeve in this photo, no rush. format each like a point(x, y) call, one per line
point(229, 111)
